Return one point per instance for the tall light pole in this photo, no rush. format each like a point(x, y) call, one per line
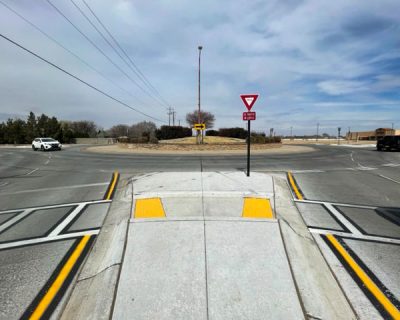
point(198, 112)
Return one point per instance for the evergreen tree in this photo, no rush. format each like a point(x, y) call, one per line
point(42, 124)
point(53, 127)
point(16, 131)
point(2, 133)
point(31, 128)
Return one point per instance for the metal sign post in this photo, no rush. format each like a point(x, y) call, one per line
point(249, 100)
point(248, 148)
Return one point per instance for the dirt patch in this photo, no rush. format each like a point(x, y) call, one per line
point(198, 149)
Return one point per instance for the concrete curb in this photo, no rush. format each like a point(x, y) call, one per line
point(319, 291)
point(95, 288)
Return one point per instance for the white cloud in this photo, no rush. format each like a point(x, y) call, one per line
point(290, 51)
point(386, 82)
point(342, 87)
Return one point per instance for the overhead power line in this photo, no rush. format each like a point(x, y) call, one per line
point(142, 76)
point(71, 52)
point(79, 79)
point(147, 85)
point(92, 43)
point(115, 50)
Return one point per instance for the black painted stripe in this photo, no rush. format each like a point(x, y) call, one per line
point(359, 282)
point(31, 308)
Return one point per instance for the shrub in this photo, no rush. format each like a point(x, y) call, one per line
point(239, 133)
point(123, 139)
point(262, 138)
point(173, 132)
point(273, 140)
point(258, 139)
point(138, 139)
point(212, 133)
point(277, 140)
point(153, 139)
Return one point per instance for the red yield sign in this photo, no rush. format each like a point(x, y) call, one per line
point(249, 100)
point(249, 116)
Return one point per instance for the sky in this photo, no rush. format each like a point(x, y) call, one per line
point(336, 63)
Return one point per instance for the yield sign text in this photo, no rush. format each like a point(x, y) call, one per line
point(249, 100)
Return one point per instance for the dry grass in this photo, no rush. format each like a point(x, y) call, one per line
point(198, 149)
point(207, 140)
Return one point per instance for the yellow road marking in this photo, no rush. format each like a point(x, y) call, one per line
point(371, 286)
point(257, 208)
point(294, 187)
point(112, 187)
point(55, 287)
point(149, 208)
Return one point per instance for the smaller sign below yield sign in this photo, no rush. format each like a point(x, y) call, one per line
point(249, 116)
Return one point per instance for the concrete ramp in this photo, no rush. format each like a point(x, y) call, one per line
point(248, 274)
point(199, 249)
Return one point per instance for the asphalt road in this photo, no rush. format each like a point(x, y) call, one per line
point(48, 196)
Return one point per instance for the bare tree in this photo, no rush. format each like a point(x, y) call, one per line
point(206, 117)
point(81, 129)
point(119, 130)
point(141, 129)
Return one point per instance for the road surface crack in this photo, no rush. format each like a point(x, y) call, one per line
point(97, 273)
point(300, 235)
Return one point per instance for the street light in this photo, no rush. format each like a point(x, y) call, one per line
point(198, 113)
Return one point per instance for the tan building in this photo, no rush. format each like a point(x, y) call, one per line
point(372, 135)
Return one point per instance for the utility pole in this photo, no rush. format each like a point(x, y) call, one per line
point(348, 136)
point(173, 117)
point(179, 122)
point(338, 136)
point(317, 131)
point(169, 113)
point(198, 112)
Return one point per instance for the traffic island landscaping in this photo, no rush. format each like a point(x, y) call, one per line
point(212, 145)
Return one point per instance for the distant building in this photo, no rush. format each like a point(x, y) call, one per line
point(372, 135)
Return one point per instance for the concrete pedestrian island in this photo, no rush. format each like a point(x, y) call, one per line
point(205, 245)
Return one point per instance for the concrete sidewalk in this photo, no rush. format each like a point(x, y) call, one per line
point(205, 245)
point(192, 255)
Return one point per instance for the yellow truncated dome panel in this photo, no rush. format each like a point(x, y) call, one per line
point(257, 208)
point(149, 208)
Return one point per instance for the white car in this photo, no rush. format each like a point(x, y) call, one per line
point(45, 144)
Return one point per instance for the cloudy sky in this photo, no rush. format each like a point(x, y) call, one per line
point(336, 63)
